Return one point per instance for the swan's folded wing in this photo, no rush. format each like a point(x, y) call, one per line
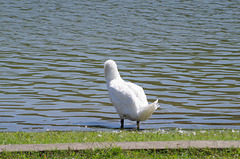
point(123, 99)
point(120, 94)
point(138, 91)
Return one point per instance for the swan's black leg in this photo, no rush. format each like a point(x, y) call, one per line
point(122, 123)
point(138, 123)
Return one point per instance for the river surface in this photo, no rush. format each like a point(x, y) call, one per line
point(184, 53)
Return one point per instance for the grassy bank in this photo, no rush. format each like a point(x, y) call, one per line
point(114, 136)
point(125, 154)
point(120, 136)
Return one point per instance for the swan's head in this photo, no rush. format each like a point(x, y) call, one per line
point(110, 70)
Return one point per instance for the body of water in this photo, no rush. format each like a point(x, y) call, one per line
point(184, 53)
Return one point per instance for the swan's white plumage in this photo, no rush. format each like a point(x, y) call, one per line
point(128, 98)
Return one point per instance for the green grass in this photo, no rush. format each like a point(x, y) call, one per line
point(120, 136)
point(114, 136)
point(119, 153)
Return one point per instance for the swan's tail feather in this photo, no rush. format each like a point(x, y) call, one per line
point(148, 110)
point(154, 105)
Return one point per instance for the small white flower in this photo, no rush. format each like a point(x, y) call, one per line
point(234, 131)
point(203, 131)
point(115, 131)
point(99, 135)
point(162, 131)
point(180, 131)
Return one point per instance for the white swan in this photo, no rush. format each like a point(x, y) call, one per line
point(128, 98)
